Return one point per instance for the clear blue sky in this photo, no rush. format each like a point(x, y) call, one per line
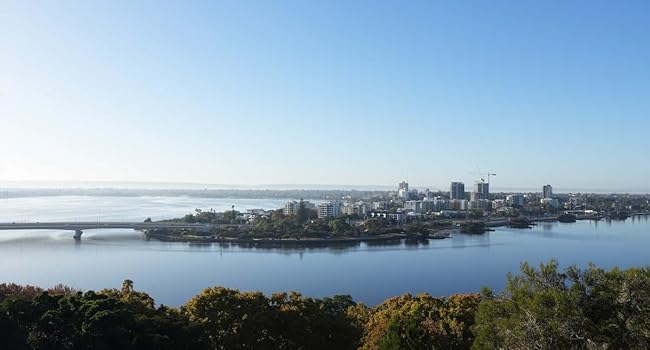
point(327, 92)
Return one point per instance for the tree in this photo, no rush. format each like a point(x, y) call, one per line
point(421, 322)
point(127, 286)
point(339, 225)
point(301, 213)
point(575, 309)
point(63, 320)
point(243, 320)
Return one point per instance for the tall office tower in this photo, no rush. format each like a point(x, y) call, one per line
point(481, 191)
point(457, 190)
point(547, 190)
point(403, 190)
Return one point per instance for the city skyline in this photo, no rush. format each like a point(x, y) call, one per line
point(143, 185)
point(338, 94)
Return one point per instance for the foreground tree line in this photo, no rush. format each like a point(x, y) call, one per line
point(541, 308)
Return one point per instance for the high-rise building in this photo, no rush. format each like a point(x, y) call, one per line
point(457, 191)
point(516, 200)
point(547, 191)
point(481, 191)
point(403, 190)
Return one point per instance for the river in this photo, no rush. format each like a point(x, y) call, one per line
point(174, 272)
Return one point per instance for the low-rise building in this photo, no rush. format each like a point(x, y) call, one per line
point(396, 218)
point(357, 208)
point(258, 211)
point(427, 205)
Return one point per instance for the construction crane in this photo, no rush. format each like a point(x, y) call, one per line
point(483, 175)
point(488, 177)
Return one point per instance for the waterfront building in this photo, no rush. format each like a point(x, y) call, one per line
point(515, 200)
point(547, 191)
point(251, 214)
point(457, 191)
point(261, 212)
point(397, 218)
point(330, 209)
point(427, 205)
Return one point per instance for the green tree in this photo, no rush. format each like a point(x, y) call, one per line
point(575, 309)
point(243, 320)
point(421, 322)
point(301, 213)
point(339, 225)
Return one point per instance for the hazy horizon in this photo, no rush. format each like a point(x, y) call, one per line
point(146, 185)
point(366, 93)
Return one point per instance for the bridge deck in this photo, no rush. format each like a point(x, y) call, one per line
point(98, 225)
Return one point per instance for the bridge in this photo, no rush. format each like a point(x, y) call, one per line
point(79, 227)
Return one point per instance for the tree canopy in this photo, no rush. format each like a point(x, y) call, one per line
point(541, 308)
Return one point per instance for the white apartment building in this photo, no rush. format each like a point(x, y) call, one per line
point(330, 209)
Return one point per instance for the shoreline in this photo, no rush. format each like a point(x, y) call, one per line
point(442, 234)
point(334, 241)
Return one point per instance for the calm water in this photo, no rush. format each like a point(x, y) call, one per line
point(173, 272)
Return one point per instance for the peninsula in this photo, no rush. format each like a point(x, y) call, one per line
point(393, 216)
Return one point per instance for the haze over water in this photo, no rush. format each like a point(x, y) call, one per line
point(173, 272)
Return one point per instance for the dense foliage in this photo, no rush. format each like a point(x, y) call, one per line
point(111, 319)
point(575, 309)
point(541, 308)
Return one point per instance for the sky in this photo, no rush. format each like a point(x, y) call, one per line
point(327, 92)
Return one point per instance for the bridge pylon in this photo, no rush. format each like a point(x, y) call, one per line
point(77, 235)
